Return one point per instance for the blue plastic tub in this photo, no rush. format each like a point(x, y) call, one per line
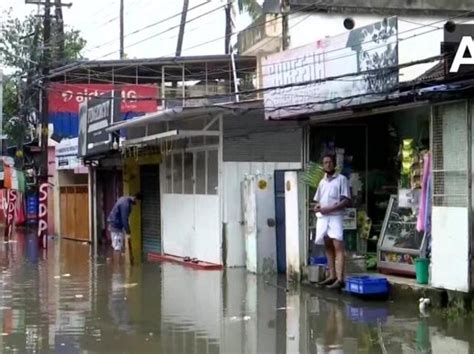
point(367, 285)
point(318, 261)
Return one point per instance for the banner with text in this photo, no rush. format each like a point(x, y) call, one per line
point(354, 68)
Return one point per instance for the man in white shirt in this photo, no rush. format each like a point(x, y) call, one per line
point(332, 198)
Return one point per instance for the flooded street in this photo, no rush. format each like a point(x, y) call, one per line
point(69, 302)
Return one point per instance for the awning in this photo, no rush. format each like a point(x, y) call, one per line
point(167, 115)
point(168, 136)
point(176, 113)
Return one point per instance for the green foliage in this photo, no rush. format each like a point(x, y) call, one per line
point(15, 128)
point(313, 174)
point(251, 7)
point(21, 43)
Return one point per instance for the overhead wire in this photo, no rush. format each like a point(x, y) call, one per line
point(397, 40)
point(464, 14)
point(154, 24)
point(385, 71)
point(338, 49)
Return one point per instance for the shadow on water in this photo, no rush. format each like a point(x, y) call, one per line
point(66, 301)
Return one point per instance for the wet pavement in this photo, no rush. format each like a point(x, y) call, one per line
point(67, 301)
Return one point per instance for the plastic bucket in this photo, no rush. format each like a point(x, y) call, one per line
point(422, 266)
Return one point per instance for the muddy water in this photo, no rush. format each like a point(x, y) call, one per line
point(69, 302)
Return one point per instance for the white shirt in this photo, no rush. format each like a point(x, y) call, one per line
point(332, 190)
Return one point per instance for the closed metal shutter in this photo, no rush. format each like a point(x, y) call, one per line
point(150, 208)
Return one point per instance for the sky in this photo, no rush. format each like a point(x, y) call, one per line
point(98, 21)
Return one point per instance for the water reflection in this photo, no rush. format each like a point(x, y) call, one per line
point(65, 301)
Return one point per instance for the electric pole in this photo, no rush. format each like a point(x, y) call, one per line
point(43, 171)
point(182, 27)
point(59, 32)
point(122, 35)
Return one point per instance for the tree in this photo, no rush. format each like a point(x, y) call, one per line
point(251, 7)
point(21, 51)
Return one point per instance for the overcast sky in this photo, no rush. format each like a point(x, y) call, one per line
point(98, 20)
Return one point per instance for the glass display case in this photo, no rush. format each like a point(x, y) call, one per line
point(400, 243)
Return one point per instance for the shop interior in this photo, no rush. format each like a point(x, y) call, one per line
point(385, 160)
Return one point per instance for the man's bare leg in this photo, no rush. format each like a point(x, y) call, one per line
point(331, 255)
point(340, 259)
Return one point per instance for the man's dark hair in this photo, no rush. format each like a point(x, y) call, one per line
point(332, 157)
point(138, 196)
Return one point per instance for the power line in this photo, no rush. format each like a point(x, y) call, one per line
point(167, 30)
point(154, 24)
point(384, 71)
point(82, 65)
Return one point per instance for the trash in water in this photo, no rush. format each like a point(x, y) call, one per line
point(66, 275)
point(57, 277)
point(128, 286)
point(85, 243)
point(79, 296)
point(235, 318)
point(4, 334)
point(283, 308)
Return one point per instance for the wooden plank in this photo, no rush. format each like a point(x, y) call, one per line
point(63, 212)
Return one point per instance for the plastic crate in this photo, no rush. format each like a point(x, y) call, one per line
point(318, 261)
point(367, 285)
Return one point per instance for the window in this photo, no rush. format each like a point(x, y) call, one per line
point(177, 173)
point(168, 174)
point(193, 172)
point(212, 172)
point(188, 173)
point(200, 177)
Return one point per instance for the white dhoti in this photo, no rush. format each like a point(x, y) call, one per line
point(331, 226)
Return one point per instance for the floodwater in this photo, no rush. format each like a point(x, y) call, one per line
point(66, 301)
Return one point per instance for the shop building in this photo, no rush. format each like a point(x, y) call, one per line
point(405, 148)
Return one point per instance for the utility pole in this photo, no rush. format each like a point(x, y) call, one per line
point(285, 9)
point(43, 174)
point(228, 26)
point(122, 35)
point(1, 112)
point(44, 137)
point(59, 32)
point(182, 27)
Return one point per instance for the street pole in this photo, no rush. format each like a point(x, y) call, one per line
point(1, 112)
point(43, 174)
point(59, 32)
point(122, 49)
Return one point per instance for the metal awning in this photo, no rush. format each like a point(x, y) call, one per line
point(168, 115)
point(168, 136)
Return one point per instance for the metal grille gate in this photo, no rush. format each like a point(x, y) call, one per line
point(450, 155)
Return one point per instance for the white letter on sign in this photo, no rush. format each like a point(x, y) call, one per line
point(466, 43)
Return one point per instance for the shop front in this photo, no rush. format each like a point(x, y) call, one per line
point(384, 158)
point(72, 192)
point(409, 173)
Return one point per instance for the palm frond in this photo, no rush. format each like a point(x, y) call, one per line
point(312, 175)
point(252, 7)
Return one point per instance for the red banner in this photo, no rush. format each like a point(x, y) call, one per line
point(135, 98)
point(43, 216)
